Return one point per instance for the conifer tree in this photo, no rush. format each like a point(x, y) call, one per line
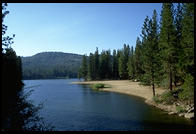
point(168, 41)
point(123, 59)
point(105, 65)
point(186, 60)
point(144, 36)
point(102, 65)
point(187, 54)
point(109, 64)
point(178, 26)
point(138, 59)
point(151, 51)
point(79, 73)
point(154, 50)
point(118, 59)
point(84, 68)
point(91, 67)
point(115, 65)
point(131, 65)
point(96, 64)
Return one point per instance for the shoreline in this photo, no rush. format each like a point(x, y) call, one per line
point(135, 89)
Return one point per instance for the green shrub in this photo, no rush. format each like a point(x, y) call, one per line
point(187, 89)
point(98, 86)
point(157, 99)
point(167, 97)
point(185, 92)
point(180, 109)
point(164, 82)
point(145, 80)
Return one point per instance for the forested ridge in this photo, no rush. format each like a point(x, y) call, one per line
point(163, 55)
point(48, 65)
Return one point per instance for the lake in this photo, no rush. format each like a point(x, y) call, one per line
point(77, 107)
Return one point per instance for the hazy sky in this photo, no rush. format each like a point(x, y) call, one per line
point(75, 27)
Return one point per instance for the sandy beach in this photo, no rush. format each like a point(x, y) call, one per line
point(126, 87)
point(136, 89)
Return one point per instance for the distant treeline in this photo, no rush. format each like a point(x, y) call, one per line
point(164, 56)
point(51, 65)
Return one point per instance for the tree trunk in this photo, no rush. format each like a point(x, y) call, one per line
point(153, 89)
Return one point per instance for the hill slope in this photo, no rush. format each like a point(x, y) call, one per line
point(48, 65)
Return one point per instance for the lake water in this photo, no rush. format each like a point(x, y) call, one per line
point(77, 107)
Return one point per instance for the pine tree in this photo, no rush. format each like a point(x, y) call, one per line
point(123, 60)
point(178, 26)
point(96, 65)
point(108, 64)
point(105, 65)
point(118, 59)
point(151, 51)
point(115, 65)
point(187, 54)
point(186, 59)
point(91, 67)
point(154, 50)
point(121, 64)
point(102, 65)
point(144, 36)
point(168, 41)
point(138, 59)
point(84, 68)
point(131, 65)
point(79, 73)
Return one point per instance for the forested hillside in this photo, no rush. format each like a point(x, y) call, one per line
point(48, 65)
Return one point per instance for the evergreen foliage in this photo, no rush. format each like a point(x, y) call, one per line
point(138, 59)
point(96, 64)
point(18, 113)
point(123, 60)
point(105, 65)
point(168, 41)
point(91, 67)
point(115, 73)
point(186, 61)
point(164, 56)
point(186, 58)
point(131, 65)
point(178, 27)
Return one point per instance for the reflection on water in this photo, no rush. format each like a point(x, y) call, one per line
point(77, 107)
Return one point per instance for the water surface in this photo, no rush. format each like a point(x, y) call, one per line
point(77, 107)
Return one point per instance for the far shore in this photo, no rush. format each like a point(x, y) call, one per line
point(136, 89)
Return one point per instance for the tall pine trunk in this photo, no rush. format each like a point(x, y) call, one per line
point(153, 89)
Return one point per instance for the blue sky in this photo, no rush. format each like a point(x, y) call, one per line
point(75, 27)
